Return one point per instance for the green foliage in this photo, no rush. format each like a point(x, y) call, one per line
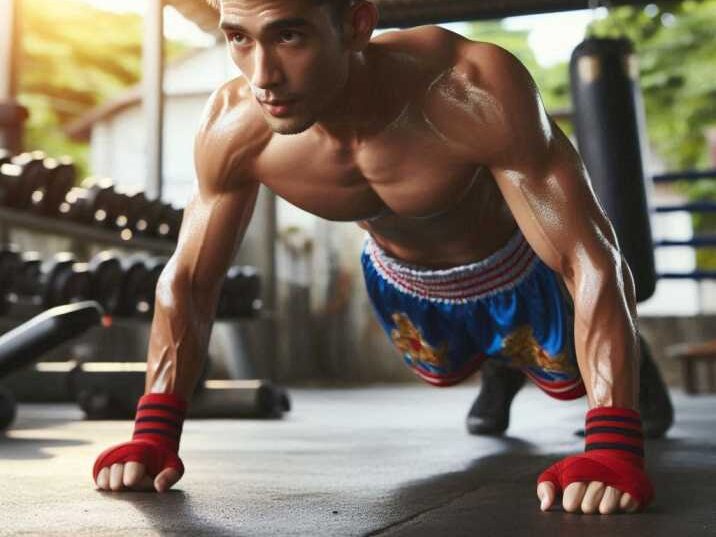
point(74, 57)
point(676, 48)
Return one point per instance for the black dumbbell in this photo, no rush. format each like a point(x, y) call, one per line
point(136, 295)
point(60, 280)
point(59, 178)
point(132, 210)
point(31, 174)
point(63, 280)
point(169, 222)
point(10, 265)
point(105, 203)
point(107, 279)
point(149, 218)
point(240, 293)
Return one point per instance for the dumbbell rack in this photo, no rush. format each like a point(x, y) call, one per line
point(10, 218)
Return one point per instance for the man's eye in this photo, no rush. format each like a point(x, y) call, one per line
point(237, 39)
point(290, 37)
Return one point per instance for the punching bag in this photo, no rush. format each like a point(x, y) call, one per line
point(608, 116)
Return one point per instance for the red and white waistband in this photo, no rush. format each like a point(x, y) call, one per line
point(502, 270)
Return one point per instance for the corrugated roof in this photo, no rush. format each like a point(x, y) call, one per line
point(401, 13)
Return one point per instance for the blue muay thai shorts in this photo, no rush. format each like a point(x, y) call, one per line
point(509, 307)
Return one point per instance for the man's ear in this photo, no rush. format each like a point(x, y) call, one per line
point(360, 20)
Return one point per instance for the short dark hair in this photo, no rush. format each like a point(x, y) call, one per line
point(337, 6)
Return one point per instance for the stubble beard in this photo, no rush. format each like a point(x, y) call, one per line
point(296, 126)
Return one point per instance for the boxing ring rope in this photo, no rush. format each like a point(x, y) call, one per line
point(703, 241)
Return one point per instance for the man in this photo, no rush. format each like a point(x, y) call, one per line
point(475, 203)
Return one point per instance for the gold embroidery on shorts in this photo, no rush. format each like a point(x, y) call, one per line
point(408, 339)
point(523, 350)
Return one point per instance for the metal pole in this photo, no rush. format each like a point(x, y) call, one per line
point(152, 93)
point(8, 38)
point(12, 115)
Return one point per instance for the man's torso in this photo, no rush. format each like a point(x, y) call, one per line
point(420, 197)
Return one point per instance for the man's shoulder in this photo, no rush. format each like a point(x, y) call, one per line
point(449, 50)
point(232, 128)
point(232, 110)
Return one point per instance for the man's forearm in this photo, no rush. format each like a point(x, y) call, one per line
point(605, 333)
point(179, 338)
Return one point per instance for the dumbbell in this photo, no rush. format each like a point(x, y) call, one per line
point(76, 206)
point(24, 344)
point(23, 175)
point(105, 202)
point(94, 202)
point(110, 390)
point(240, 293)
point(59, 177)
point(139, 282)
point(60, 280)
point(10, 265)
point(169, 222)
point(136, 289)
point(107, 276)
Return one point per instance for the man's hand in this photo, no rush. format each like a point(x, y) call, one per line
point(609, 476)
point(588, 498)
point(150, 460)
point(133, 476)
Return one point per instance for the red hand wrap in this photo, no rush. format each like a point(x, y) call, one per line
point(155, 442)
point(614, 455)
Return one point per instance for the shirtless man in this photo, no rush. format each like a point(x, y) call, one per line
point(476, 206)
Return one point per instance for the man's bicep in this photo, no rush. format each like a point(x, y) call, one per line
point(556, 208)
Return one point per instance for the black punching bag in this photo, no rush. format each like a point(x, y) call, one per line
point(608, 116)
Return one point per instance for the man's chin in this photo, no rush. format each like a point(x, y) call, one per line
point(294, 126)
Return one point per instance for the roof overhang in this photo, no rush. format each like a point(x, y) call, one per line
point(402, 13)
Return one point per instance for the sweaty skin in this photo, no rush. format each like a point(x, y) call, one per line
point(438, 146)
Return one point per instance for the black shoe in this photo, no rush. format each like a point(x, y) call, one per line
point(490, 413)
point(657, 412)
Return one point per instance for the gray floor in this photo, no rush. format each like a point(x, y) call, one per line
point(371, 461)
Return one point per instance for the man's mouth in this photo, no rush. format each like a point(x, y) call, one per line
point(276, 107)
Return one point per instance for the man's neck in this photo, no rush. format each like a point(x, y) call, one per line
point(357, 106)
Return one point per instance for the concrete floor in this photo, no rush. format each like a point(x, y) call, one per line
point(388, 461)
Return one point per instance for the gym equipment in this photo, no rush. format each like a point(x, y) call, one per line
point(136, 295)
point(608, 117)
point(9, 267)
point(107, 277)
point(59, 177)
point(240, 293)
point(104, 201)
point(26, 343)
point(77, 206)
point(60, 280)
point(110, 390)
point(25, 174)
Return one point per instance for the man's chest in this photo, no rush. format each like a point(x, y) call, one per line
point(407, 171)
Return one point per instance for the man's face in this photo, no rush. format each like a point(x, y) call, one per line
point(291, 53)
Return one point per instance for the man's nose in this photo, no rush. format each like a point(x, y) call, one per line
point(267, 71)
